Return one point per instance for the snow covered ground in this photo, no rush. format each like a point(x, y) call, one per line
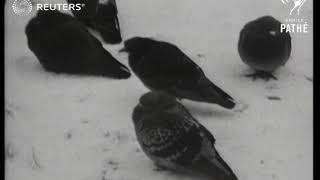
point(61, 127)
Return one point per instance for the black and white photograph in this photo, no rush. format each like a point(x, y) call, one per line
point(158, 90)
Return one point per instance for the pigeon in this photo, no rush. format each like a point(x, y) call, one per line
point(106, 22)
point(101, 17)
point(174, 140)
point(263, 46)
point(88, 10)
point(162, 66)
point(63, 45)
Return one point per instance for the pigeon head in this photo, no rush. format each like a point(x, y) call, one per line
point(106, 22)
point(50, 18)
point(265, 26)
point(157, 100)
point(88, 11)
point(46, 19)
point(150, 103)
point(137, 45)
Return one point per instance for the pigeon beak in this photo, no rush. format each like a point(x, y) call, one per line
point(221, 169)
point(140, 105)
point(123, 50)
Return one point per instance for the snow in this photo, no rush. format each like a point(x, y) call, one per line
point(80, 128)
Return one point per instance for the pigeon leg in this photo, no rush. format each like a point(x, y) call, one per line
point(159, 167)
point(262, 75)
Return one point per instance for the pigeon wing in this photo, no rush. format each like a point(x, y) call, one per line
point(169, 69)
point(176, 140)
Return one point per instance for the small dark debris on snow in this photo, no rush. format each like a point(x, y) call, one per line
point(83, 99)
point(105, 149)
point(279, 161)
point(111, 162)
point(106, 134)
point(272, 86)
point(274, 98)
point(115, 168)
point(309, 78)
point(299, 156)
point(68, 135)
point(104, 173)
point(137, 150)
point(261, 161)
point(201, 55)
point(9, 113)
point(85, 121)
point(274, 176)
point(9, 151)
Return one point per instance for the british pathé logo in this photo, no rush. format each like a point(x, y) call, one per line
point(295, 23)
point(22, 7)
point(296, 5)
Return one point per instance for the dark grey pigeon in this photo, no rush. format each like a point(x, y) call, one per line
point(162, 66)
point(264, 47)
point(101, 17)
point(88, 10)
point(63, 45)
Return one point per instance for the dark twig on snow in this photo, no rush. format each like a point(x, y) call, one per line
point(274, 98)
point(10, 152)
point(309, 78)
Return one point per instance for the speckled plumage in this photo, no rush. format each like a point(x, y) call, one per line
point(173, 139)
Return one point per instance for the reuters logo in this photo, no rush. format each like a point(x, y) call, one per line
point(22, 7)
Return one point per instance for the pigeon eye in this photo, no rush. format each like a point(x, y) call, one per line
point(273, 33)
